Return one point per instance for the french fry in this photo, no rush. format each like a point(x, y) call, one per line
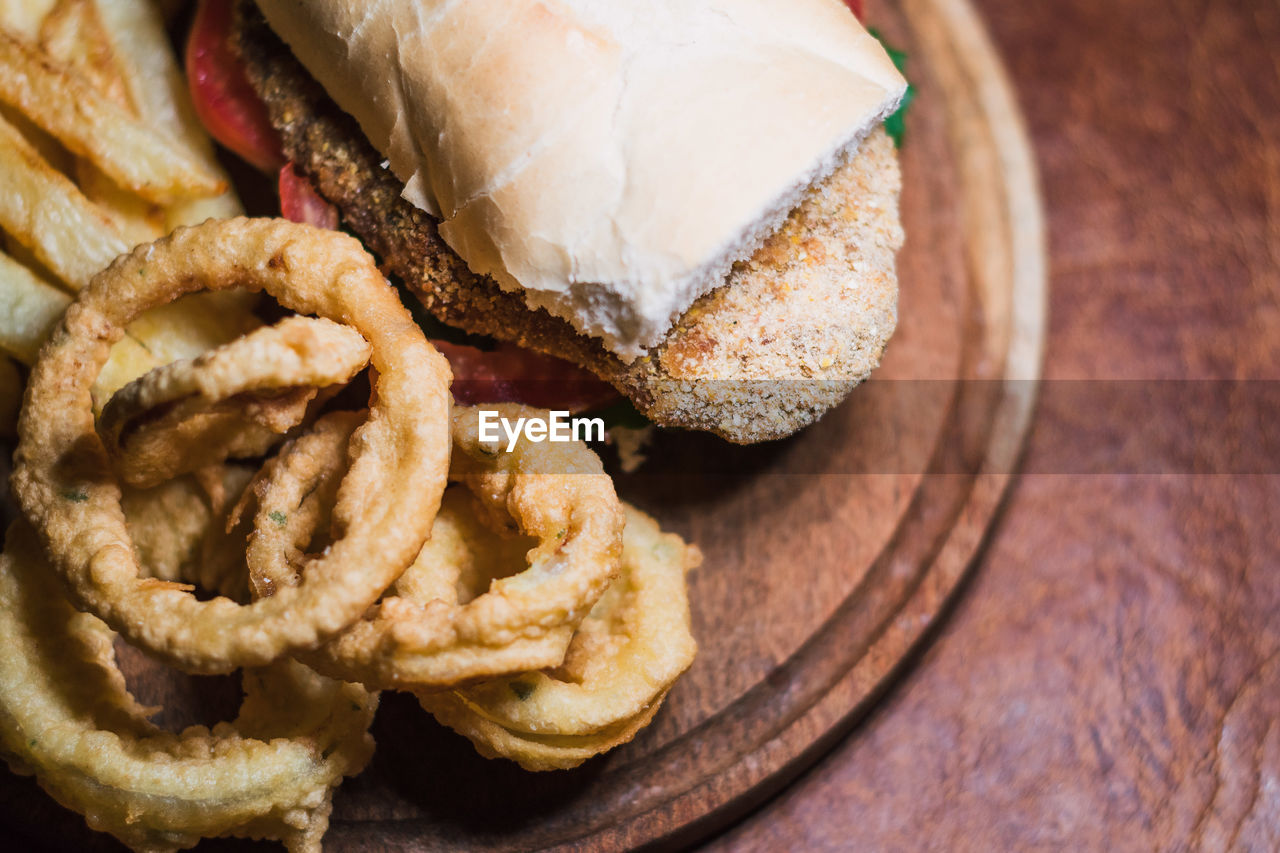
point(72, 33)
point(139, 158)
point(197, 210)
point(138, 220)
point(33, 307)
point(10, 396)
point(193, 325)
point(152, 78)
point(44, 211)
point(128, 360)
point(23, 17)
point(49, 148)
point(118, 52)
point(159, 92)
point(24, 256)
point(181, 329)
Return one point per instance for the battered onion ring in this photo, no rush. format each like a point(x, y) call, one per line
point(170, 523)
point(67, 718)
point(234, 401)
point(65, 485)
point(537, 753)
point(300, 483)
point(624, 658)
point(556, 493)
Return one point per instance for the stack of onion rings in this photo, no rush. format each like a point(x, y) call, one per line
point(66, 717)
point(543, 619)
point(556, 494)
point(624, 658)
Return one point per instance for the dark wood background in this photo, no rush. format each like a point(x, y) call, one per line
point(1110, 680)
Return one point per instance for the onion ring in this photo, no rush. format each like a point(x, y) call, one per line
point(537, 753)
point(623, 659)
point(65, 486)
point(412, 637)
point(170, 523)
point(300, 484)
point(234, 401)
point(558, 494)
point(67, 717)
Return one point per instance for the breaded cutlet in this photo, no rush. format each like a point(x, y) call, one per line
point(788, 335)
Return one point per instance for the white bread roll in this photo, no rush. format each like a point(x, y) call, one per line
point(611, 159)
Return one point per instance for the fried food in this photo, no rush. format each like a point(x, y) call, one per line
point(623, 659)
point(234, 401)
point(72, 33)
point(48, 214)
point(290, 501)
point(71, 229)
point(170, 523)
point(399, 457)
point(75, 238)
point(159, 95)
point(533, 752)
point(446, 622)
point(174, 331)
point(33, 309)
point(24, 17)
point(89, 124)
point(141, 389)
point(67, 718)
point(187, 328)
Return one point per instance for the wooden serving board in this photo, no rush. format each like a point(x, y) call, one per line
point(827, 556)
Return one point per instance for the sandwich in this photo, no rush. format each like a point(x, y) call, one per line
point(694, 200)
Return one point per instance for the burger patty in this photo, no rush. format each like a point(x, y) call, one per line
point(792, 331)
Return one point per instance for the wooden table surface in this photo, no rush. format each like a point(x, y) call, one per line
point(1109, 680)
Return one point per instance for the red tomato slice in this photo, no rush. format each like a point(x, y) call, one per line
point(300, 202)
point(224, 98)
point(856, 7)
point(510, 374)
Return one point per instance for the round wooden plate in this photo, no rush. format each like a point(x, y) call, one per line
point(827, 556)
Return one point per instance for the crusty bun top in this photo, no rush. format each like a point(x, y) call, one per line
point(613, 159)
